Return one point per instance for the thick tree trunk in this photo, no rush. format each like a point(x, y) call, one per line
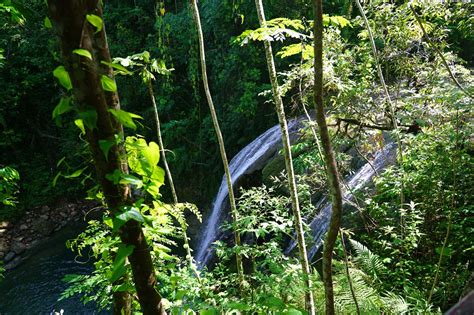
point(76, 32)
point(280, 110)
point(220, 139)
point(331, 166)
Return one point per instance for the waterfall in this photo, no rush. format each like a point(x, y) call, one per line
point(251, 158)
point(356, 182)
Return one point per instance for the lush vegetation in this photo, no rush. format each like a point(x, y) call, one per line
point(406, 242)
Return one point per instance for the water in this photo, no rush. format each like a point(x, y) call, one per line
point(359, 180)
point(35, 286)
point(249, 159)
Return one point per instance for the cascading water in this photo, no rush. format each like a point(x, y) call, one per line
point(248, 160)
point(359, 180)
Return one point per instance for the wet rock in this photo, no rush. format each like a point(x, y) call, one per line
point(43, 227)
point(44, 216)
point(2, 231)
point(9, 256)
point(23, 227)
point(64, 214)
point(14, 263)
point(3, 245)
point(18, 247)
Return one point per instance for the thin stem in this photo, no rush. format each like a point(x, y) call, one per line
point(349, 279)
point(440, 54)
point(220, 139)
point(285, 138)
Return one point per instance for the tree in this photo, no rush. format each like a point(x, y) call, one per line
point(331, 166)
point(285, 138)
point(87, 73)
point(220, 139)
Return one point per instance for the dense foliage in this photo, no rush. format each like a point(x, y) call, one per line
point(408, 241)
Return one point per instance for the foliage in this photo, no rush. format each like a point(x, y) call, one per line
point(9, 188)
point(437, 173)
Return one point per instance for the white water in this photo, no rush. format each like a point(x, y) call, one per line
point(248, 160)
point(359, 180)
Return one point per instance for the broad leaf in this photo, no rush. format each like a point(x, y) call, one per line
point(62, 107)
point(108, 84)
point(63, 77)
point(83, 52)
point(125, 118)
point(118, 267)
point(95, 21)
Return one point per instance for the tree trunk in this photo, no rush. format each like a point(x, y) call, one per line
point(233, 207)
point(280, 110)
point(331, 166)
point(76, 32)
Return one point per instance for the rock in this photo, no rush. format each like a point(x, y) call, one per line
point(64, 214)
point(2, 231)
point(2, 254)
point(14, 263)
point(44, 209)
point(18, 247)
point(3, 245)
point(9, 256)
point(4, 225)
point(43, 227)
point(23, 227)
point(73, 213)
point(44, 216)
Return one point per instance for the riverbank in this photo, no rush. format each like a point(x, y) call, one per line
point(18, 237)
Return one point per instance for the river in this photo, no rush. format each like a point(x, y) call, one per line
point(35, 286)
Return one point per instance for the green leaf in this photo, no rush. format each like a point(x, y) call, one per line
point(95, 21)
point(89, 118)
point(118, 267)
point(83, 52)
point(63, 107)
point(77, 173)
point(125, 118)
point(131, 213)
point(56, 178)
point(105, 146)
point(239, 306)
point(47, 23)
point(209, 311)
point(108, 84)
point(63, 77)
point(80, 124)
point(120, 69)
point(130, 179)
point(151, 153)
point(292, 311)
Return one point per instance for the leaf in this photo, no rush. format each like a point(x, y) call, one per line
point(83, 52)
point(63, 77)
point(47, 23)
point(120, 69)
point(292, 311)
point(125, 118)
point(131, 213)
point(152, 153)
point(62, 107)
point(56, 179)
point(209, 311)
point(118, 267)
point(80, 124)
point(108, 84)
point(77, 173)
point(239, 306)
point(105, 146)
point(95, 21)
point(274, 302)
point(89, 118)
point(130, 179)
